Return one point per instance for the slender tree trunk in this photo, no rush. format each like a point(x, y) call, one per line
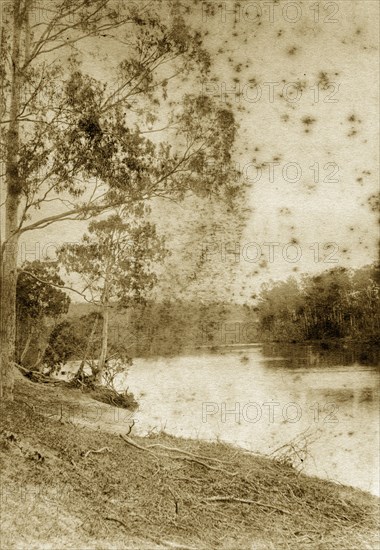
point(9, 246)
point(88, 348)
point(8, 321)
point(26, 347)
point(38, 363)
point(104, 348)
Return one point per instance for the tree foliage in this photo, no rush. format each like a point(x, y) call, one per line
point(64, 344)
point(115, 260)
point(82, 141)
point(36, 295)
point(38, 300)
point(338, 303)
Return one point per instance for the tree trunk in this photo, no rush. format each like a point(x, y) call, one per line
point(79, 373)
point(38, 363)
point(26, 347)
point(8, 321)
point(104, 348)
point(9, 246)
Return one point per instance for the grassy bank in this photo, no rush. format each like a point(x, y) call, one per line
point(69, 480)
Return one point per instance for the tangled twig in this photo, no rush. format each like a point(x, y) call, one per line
point(102, 450)
point(190, 458)
point(117, 521)
point(176, 449)
point(133, 444)
point(246, 501)
point(208, 466)
point(130, 427)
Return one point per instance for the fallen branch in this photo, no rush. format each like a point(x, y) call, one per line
point(189, 459)
point(176, 546)
point(170, 544)
point(96, 451)
point(175, 500)
point(246, 501)
point(36, 375)
point(130, 428)
point(176, 449)
point(133, 444)
point(117, 521)
point(28, 405)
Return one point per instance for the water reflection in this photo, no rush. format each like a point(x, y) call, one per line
point(323, 355)
point(268, 397)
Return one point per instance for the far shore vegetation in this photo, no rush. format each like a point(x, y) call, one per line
point(338, 309)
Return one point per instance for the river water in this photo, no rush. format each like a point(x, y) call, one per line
point(318, 409)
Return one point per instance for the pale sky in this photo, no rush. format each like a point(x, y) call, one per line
point(305, 95)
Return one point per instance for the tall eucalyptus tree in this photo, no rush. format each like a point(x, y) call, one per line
point(82, 142)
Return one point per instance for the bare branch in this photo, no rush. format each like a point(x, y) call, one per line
point(79, 212)
point(62, 287)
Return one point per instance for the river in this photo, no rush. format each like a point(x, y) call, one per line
point(318, 409)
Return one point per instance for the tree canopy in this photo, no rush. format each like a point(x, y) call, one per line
point(79, 141)
point(38, 300)
point(338, 303)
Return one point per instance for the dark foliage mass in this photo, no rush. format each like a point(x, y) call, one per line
point(63, 344)
point(35, 294)
point(38, 302)
point(338, 303)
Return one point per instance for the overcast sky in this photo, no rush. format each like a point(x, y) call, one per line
point(304, 87)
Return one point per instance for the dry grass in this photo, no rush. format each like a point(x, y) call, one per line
point(56, 495)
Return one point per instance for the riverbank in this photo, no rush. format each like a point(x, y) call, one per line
point(327, 342)
point(362, 352)
point(69, 480)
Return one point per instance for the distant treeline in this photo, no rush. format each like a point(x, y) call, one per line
point(337, 304)
point(168, 327)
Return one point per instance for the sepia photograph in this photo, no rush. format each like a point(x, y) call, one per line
point(190, 275)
